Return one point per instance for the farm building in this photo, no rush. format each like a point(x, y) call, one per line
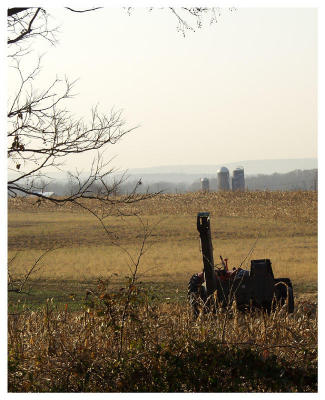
point(205, 184)
point(45, 194)
point(223, 178)
point(238, 179)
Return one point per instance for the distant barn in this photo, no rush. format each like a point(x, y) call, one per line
point(45, 194)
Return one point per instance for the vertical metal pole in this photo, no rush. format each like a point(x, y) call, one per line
point(203, 226)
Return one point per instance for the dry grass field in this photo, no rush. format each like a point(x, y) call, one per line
point(283, 223)
point(120, 338)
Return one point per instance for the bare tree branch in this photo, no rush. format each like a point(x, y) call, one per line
point(24, 24)
point(27, 31)
point(42, 134)
point(82, 11)
point(17, 10)
point(17, 285)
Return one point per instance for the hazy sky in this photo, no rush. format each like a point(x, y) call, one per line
point(242, 89)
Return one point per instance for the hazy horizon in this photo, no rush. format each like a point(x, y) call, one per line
point(189, 171)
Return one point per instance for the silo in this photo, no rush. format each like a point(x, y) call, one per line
point(223, 178)
point(205, 184)
point(238, 179)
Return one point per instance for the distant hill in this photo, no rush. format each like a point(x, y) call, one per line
point(188, 173)
point(294, 180)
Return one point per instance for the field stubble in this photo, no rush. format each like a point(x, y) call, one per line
point(133, 343)
point(285, 224)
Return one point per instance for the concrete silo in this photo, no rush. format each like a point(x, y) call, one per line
point(223, 178)
point(238, 179)
point(205, 184)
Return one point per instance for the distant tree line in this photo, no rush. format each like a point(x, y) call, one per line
point(294, 180)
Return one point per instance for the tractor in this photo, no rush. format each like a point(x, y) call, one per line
point(220, 287)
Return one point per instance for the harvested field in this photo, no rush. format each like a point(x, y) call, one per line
point(129, 338)
point(283, 223)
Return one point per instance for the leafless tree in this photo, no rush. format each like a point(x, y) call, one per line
point(42, 133)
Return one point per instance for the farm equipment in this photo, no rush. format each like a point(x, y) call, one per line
point(220, 287)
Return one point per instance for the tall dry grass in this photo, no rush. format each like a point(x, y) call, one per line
point(161, 348)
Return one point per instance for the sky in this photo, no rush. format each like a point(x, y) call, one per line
point(244, 88)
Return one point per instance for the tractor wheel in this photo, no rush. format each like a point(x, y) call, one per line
point(196, 294)
point(284, 294)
